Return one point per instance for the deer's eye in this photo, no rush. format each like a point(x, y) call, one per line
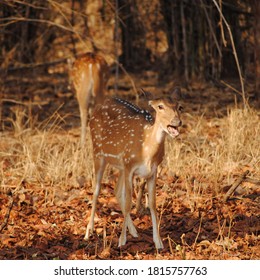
point(180, 108)
point(160, 107)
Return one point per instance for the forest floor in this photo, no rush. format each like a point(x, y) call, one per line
point(45, 216)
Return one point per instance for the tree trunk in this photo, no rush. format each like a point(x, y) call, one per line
point(184, 43)
point(256, 10)
point(133, 36)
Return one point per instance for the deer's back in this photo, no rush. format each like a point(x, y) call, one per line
point(117, 130)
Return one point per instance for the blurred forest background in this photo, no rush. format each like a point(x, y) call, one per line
point(177, 39)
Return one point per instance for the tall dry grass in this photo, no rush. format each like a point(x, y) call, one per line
point(213, 151)
point(45, 156)
point(207, 155)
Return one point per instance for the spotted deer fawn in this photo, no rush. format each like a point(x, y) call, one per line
point(130, 139)
point(89, 75)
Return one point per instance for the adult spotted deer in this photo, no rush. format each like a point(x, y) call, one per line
point(130, 139)
point(89, 75)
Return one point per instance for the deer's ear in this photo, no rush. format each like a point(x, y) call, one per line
point(176, 93)
point(147, 95)
point(151, 103)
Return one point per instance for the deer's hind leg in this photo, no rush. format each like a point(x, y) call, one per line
point(124, 195)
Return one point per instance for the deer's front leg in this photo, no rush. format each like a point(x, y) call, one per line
point(99, 170)
point(152, 205)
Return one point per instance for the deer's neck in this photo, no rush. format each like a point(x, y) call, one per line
point(154, 142)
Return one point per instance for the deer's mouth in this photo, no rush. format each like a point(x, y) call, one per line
point(173, 131)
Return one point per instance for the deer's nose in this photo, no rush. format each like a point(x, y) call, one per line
point(176, 122)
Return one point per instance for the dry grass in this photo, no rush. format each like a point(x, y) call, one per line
point(207, 155)
point(45, 156)
point(213, 150)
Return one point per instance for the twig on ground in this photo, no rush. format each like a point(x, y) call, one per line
point(252, 181)
point(198, 233)
point(9, 208)
point(235, 185)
